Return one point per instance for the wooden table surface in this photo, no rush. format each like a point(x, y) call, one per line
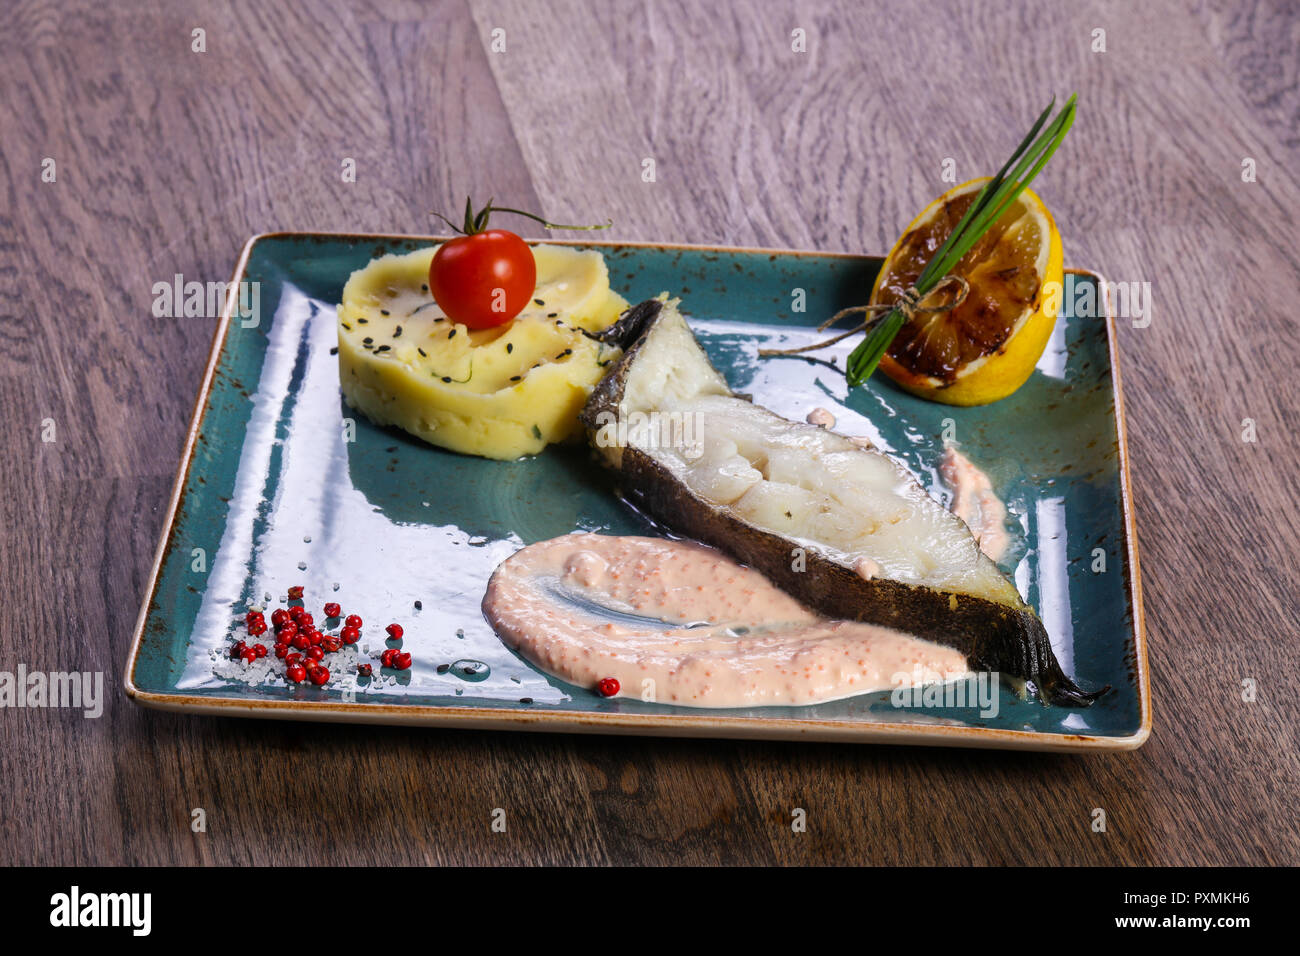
point(166, 160)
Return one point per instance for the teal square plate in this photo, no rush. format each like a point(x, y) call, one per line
point(278, 486)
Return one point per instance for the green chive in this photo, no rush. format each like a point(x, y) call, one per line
point(992, 201)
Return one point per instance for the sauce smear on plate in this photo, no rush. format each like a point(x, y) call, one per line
point(680, 623)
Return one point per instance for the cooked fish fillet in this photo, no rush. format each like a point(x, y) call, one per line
point(843, 528)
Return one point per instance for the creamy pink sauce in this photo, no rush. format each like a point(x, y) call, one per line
point(759, 647)
point(821, 416)
point(976, 503)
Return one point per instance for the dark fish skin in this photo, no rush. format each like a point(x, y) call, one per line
point(992, 636)
point(630, 325)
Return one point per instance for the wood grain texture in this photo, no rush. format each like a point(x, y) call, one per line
point(167, 160)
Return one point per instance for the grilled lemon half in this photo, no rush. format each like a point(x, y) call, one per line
point(986, 347)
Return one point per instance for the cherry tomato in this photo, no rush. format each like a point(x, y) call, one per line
point(484, 279)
